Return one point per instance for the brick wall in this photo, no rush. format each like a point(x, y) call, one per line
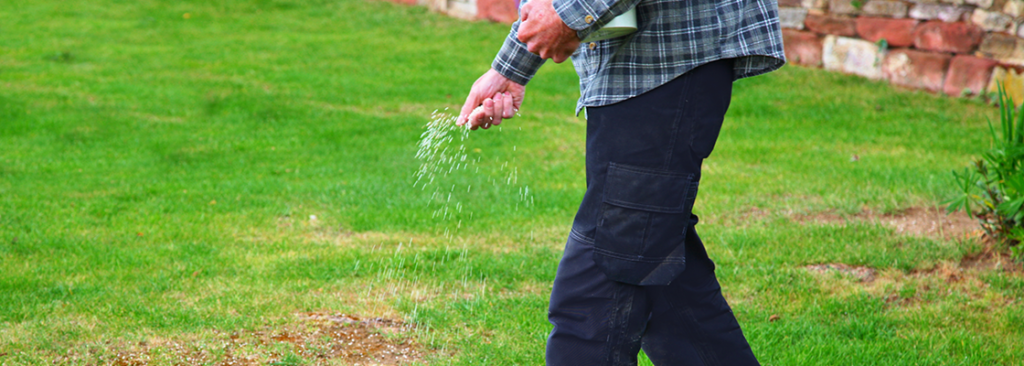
point(503, 11)
point(957, 47)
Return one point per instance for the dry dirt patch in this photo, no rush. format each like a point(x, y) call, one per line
point(906, 288)
point(915, 221)
point(316, 338)
point(861, 273)
point(900, 288)
point(991, 259)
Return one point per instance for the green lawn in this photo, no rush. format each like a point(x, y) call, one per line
point(160, 164)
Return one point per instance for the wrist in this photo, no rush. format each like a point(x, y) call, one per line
point(514, 62)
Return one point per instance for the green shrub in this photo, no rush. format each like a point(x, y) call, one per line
point(993, 187)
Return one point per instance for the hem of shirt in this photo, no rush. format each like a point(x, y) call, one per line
point(598, 102)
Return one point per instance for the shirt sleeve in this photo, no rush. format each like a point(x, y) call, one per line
point(514, 61)
point(587, 16)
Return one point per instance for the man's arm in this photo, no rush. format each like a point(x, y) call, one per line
point(499, 92)
point(545, 30)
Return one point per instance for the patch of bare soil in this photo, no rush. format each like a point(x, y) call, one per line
point(861, 273)
point(906, 288)
point(990, 259)
point(318, 338)
point(915, 221)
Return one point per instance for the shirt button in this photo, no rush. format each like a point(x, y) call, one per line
point(589, 19)
point(592, 45)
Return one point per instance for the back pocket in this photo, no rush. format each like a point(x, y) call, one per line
point(641, 232)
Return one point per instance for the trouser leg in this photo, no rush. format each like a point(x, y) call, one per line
point(666, 132)
point(602, 322)
point(597, 321)
point(690, 321)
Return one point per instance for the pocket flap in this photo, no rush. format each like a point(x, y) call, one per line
point(646, 189)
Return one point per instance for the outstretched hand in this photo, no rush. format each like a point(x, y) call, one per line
point(492, 98)
point(495, 97)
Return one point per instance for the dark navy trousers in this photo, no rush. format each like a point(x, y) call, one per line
point(635, 274)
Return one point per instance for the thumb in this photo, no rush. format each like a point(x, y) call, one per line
point(472, 101)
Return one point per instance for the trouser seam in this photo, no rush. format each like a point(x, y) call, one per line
point(677, 122)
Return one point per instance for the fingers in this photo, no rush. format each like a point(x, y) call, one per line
point(499, 108)
point(492, 111)
point(492, 99)
point(545, 34)
point(559, 56)
point(476, 118)
point(524, 12)
point(508, 109)
point(518, 95)
point(482, 115)
point(488, 118)
point(472, 101)
point(527, 30)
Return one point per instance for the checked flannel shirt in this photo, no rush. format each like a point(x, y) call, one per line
point(673, 37)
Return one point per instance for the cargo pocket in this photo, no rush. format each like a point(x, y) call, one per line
point(641, 230)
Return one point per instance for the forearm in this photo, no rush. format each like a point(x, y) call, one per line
point(514, 61)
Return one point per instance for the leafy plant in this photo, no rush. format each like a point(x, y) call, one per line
point(993, 187)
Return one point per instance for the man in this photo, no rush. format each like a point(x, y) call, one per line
point(635, 274)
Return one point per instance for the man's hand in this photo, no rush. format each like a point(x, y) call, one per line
point(544, 32)
point(492, 98)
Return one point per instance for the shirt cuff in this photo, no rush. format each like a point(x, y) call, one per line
point(583, 16)
point(514, 61)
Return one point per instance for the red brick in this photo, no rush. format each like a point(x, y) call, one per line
point(896, 32)
point(940, 36)
point(502, 11)
point(968, 73)
point(916, 69)
point(831, 25)
point(802, 47)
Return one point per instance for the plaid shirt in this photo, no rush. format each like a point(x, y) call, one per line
point(674, 36)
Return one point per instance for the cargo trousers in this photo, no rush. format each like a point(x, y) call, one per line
point(635, 274)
